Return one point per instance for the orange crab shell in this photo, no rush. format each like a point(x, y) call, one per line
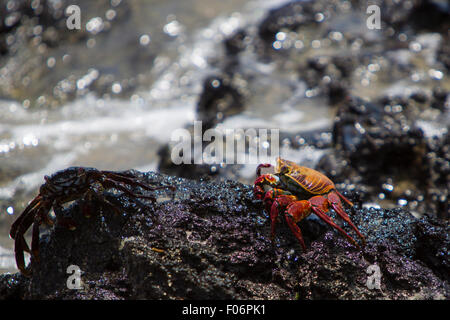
point(310, 180)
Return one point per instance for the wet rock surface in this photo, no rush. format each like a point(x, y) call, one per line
point(390, 156)
point(210, 240)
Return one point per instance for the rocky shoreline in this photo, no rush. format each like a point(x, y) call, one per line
point(211, 241)
point(387, 149)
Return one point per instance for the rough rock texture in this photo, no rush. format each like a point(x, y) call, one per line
point(212, 241)
point(388, 152)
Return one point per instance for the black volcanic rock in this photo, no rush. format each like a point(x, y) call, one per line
point(211, 240)
point(389, 153)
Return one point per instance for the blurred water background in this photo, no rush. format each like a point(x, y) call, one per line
point(111, 94)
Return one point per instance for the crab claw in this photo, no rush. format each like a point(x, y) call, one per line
point(278, 204)
point(263, 182)
point(263, 165)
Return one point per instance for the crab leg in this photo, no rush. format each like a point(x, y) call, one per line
point(26, 221)
point(30, 208)
point(320, 206)
point(125, 179)
point(35, 237)
point(19, 244)
point(295, 230)
point(23, 243)
point(333, 198)
point(112, 184)
point(343, 198)
point(297, 211)
point(97, 195)
point(280, 203)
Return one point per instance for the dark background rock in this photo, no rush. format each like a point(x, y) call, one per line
point(389, 154)
point(289, 16)
point(211, 241)
point(220, 98)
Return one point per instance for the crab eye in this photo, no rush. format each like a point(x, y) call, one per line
point(273, 180)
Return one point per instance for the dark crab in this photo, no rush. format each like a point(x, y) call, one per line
point(64, 186)
point(297, 192)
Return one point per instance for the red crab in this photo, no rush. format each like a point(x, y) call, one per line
point(62, 187)
point(286, 191)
